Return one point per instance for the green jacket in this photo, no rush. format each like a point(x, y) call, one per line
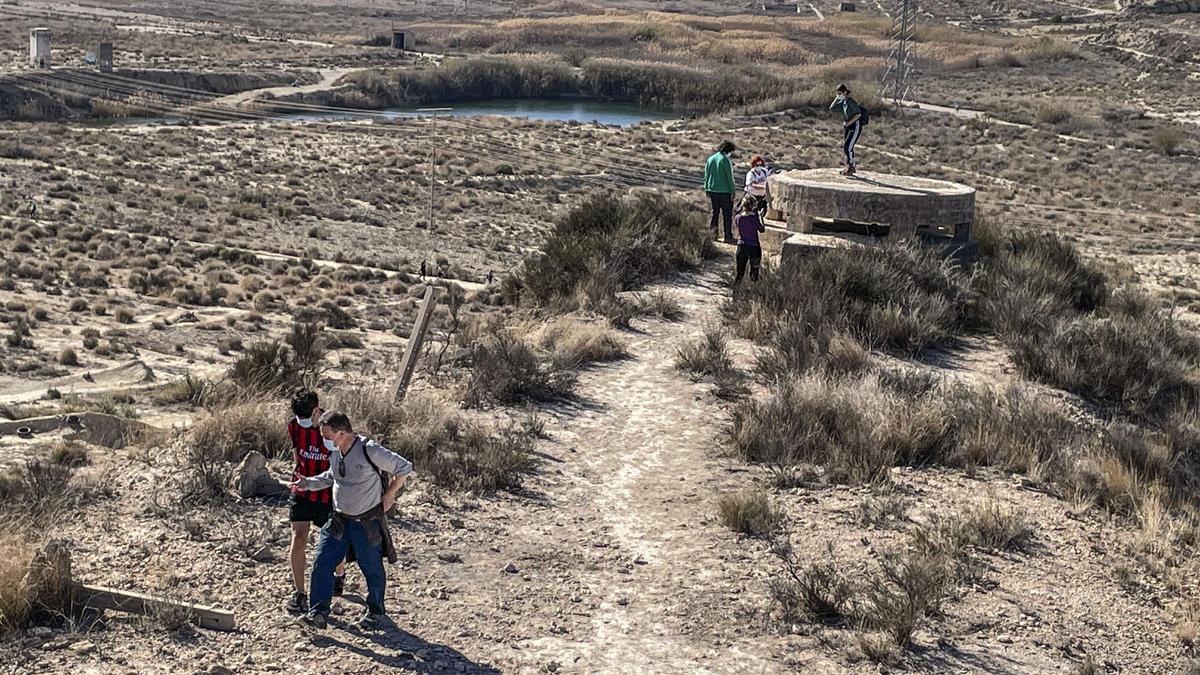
point(718, 174)
point(850, 108)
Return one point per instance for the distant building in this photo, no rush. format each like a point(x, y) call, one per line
point(104, 56)
point(39, 47)
point(398, 39)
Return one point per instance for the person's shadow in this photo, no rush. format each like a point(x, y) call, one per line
point(413, 654)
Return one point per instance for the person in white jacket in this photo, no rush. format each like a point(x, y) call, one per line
point(756, 183)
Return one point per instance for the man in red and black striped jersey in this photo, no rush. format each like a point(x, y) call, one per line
point(307, 508)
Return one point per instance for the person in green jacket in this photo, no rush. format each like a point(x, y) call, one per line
point(720, 188)
point(852, 124)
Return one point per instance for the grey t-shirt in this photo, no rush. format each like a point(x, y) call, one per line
point(360, 490)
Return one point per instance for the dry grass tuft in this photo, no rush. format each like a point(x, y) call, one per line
point(748, 512)
point(444, 443)
point(572, 343)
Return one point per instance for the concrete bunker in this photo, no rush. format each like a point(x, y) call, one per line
point(821, 206)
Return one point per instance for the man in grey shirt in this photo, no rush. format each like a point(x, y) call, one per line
point(362, 495)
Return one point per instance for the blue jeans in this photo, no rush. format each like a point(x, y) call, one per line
point(330, 552)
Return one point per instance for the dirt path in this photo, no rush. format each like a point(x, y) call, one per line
point(328, 77)
point(643, 472)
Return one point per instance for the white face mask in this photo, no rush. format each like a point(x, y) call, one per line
point(329, 445)
point(304, 422)
point(841, 98)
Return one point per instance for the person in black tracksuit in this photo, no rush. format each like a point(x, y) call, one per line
point(852, 124)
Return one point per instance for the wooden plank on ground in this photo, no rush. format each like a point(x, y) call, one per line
point(138, 603)
point(415, 340)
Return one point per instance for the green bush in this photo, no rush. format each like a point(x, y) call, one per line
point(606, 246)
point(900, 297)
point(506, 369)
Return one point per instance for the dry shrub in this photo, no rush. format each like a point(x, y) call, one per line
point(16, 601)
point(900, 297)
point(1066, 328)
point(910, 585)
point(69, 453)
point(443, 443)
point(188, 390)
point(223, 438)
point(506, 369)
point(1167, 140)
point(35, 584)
point(748, 512)
point(1059, 115)
point(819, 591)
point(228, 433)
point(1050, 49)
point(573, 343)
point(906, 585)
point(273, 367)
point(659, 303)
point(1144, 366)
point(708, 356)
point(855, 429)
point(988, 525)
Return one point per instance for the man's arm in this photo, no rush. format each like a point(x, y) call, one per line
point(317, 482)
point(729, 176)
point(852, 120)
point(388, 461)
point(389, 495)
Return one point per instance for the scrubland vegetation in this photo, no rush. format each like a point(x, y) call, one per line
point(832, 412)
point(859, 496)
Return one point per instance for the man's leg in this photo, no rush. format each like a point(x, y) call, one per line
point(330, 552)
point(714, 201)
point(727, 215)
point(320, 516)
point(847, 132)
point(296, 553)
point(741, 264)
point(852, 140)
point(370, 561)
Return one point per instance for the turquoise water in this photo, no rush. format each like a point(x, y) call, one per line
point(555, 110)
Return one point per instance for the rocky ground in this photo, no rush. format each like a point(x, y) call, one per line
point(610, 559)
point(157, 253)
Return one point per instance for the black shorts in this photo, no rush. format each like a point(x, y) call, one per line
point(303, 510)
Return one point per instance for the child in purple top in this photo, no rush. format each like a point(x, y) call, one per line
point(748, 224)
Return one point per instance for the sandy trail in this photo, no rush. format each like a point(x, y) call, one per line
point(643, 470)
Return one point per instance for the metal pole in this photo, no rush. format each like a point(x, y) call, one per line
point(432, 154)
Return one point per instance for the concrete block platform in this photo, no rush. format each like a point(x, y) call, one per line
point(907, 205)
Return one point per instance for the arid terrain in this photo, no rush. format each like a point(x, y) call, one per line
point(870, 461)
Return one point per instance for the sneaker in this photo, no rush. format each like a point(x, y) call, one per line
point(371, 621)
point(298, 604)
point(339, 585)
point(313, 620)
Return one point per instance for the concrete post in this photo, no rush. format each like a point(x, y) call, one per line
point(104, 57)
point(39, 48)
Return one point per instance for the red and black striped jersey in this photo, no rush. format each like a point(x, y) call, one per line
point(308, 449)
